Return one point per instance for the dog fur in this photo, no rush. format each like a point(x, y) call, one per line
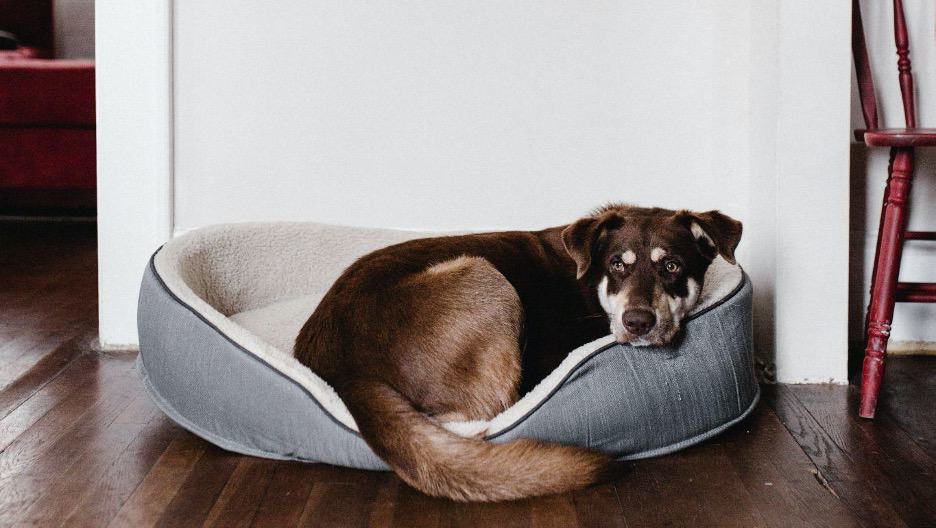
point(455, 328)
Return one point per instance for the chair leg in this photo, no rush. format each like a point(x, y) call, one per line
point(884, 281)
point(877, 248)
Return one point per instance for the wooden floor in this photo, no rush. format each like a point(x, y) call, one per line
point(82, 445)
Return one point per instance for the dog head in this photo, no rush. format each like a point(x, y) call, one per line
point(648, 266)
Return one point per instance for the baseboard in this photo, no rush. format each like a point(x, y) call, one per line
point(911, 348)
point(116, 348)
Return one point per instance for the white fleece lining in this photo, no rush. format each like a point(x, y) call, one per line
point(257, 283)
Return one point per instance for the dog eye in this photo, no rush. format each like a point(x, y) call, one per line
point(617, 264)
point(671, 266)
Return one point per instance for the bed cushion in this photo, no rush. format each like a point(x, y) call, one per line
point(220, 307)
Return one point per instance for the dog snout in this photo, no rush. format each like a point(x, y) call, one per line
point(638, 321)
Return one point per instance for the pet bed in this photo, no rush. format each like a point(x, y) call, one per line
point(220, 306)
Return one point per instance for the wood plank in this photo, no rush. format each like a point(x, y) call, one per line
point(554, 511)
point(512, 514)
point(80, 374)
point(599, 506)
point(415, 509)
point(834, 467)
point(100, 452)
point(241, 496)
point(45, 370)
point(81, 393)
point(717, 490)
point(643, 490)
point(197, 495)
point(778, 476)
point(150, 499)
point(388, 487)
point(29, 329)
point(30, 335)
point(23, 294)
point(99, 504)
point(698, 486)
point(340, 497)
point(285, 498)
point(314, 503)
point(908, 396)
point(878, 448)
point(53, 443)
point(45, 295)
point(47, 415)
point(42, 325)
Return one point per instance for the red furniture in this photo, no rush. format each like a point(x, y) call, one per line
point(47, 126)
point(892, 230)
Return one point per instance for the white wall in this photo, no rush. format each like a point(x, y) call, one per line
point(485, 115)
point(812, 206)
point(764, 90)
point(452, 114)
point(134, 155)
point(914, 326)
point(74, 28)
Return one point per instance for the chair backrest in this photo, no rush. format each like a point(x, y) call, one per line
point(863, 67)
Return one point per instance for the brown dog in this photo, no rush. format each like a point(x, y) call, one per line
point(453, 328)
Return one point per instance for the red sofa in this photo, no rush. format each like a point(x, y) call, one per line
point(47, 129)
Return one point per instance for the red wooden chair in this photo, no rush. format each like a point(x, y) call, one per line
point(892, 230)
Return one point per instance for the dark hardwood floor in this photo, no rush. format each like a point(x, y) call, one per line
point(82, 445)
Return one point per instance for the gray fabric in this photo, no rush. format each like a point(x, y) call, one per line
point(642, 402)
point(229, 397)
point(633, 403)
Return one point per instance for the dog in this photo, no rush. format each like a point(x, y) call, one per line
point(457, 327)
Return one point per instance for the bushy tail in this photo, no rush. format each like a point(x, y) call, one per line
point(440, 463)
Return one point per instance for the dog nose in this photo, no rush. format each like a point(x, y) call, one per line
point(639, 322)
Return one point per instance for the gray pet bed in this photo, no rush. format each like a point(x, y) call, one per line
point(220, 307)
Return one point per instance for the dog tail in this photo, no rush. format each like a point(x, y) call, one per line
point(438, 462)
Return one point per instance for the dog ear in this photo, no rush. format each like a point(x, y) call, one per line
point(714, 231)
point(582, 239)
